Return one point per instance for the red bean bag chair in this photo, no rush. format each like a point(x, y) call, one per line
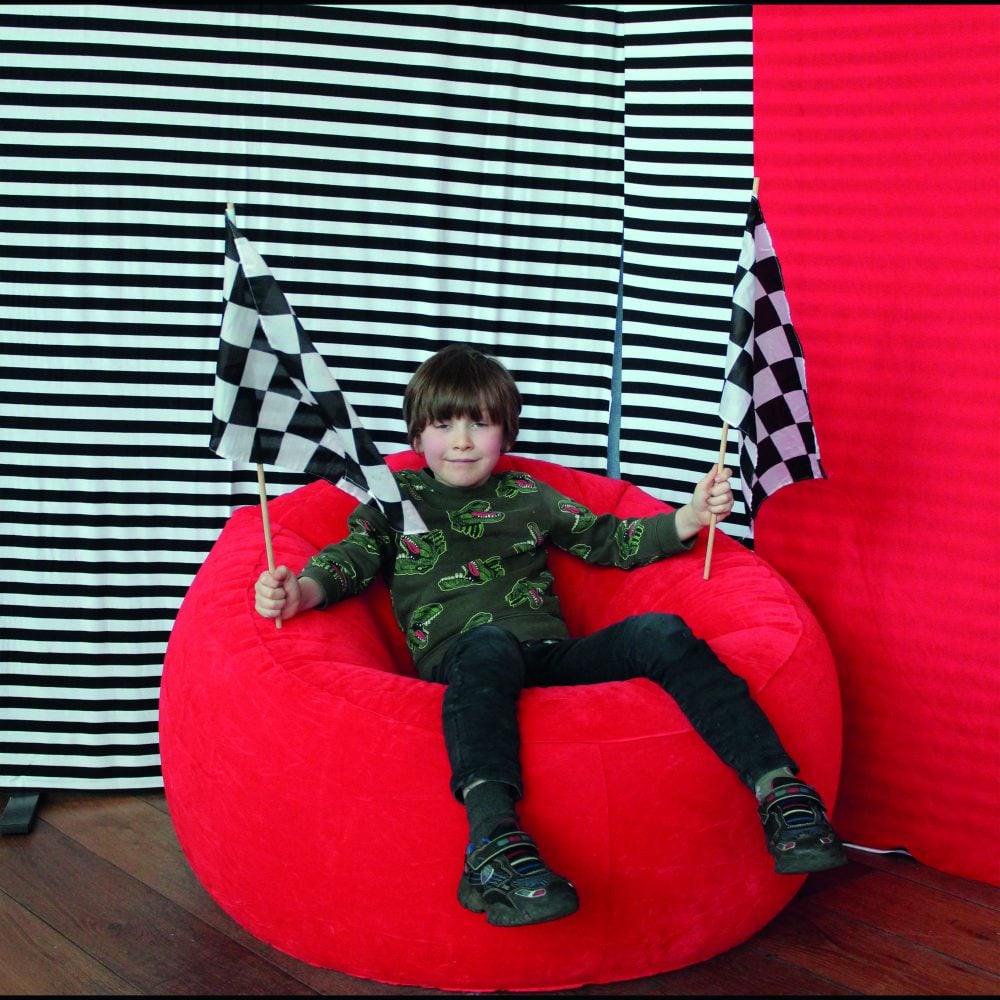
point(307, 779)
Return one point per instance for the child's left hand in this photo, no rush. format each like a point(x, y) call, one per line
point(713, 495)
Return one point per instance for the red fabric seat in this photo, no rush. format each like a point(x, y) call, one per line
point(307, 779)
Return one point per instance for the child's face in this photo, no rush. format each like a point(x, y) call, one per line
point(461, 451)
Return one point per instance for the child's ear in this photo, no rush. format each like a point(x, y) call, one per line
point(416, 445)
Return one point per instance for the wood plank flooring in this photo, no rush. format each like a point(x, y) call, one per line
point(98, 900)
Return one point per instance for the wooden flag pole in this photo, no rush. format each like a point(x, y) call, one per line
point(262, 488)
point(722, 454)
point(714, 518)
point(261, 485)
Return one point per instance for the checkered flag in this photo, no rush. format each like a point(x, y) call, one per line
point(276, 402)
point(764, 394)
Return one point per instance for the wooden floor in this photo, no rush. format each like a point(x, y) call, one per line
point(97, 899)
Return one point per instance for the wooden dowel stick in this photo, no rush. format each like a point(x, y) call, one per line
point(262, 488)
point(711, 524)
point(722, 453)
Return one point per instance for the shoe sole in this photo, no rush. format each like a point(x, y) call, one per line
point(804, 859)
point(557, 905)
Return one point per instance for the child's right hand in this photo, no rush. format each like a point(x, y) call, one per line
point(278, 594)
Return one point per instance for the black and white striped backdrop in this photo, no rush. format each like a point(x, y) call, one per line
point(563, 184)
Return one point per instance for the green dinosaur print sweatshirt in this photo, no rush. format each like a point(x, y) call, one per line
point(483, 557)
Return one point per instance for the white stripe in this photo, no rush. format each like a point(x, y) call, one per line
point(83, 714)
point(195, 543)
point(71, 760)
point(108, 626)
point(82, 694)
point(33, 671)
point(94, 783)
point(111, 647)
point(121, 739)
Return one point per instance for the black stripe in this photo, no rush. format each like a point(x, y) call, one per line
point(48, 773)
point(83, 727)
point(113, 749)
point(78, 705)
point(83, 683)
point(436, 96)
point(148, 569)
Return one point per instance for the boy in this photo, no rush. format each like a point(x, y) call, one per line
point(476, 602)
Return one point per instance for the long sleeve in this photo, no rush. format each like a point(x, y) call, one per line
point(608, 540)
point(347, 567)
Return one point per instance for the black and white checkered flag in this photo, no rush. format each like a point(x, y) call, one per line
point(277, 403)
point(764, 394)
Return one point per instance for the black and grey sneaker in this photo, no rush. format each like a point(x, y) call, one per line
point(799, 835)
point(507, 880)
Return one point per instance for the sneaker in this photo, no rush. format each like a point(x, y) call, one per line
point(506, 879)
point(799, 835)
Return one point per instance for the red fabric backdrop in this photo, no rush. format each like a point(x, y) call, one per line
point(877, 143)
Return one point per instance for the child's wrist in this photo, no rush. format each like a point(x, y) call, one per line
point(310, 594)
point(687, 522)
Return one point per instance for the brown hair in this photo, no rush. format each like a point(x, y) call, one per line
point(458, 381)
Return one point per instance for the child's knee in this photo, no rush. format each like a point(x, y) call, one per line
point(487, 655)
point(655, 640)
point(659, 626)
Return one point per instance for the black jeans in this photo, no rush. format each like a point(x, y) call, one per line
point(486, 668)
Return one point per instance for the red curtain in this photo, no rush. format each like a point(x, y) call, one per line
point(877, 143)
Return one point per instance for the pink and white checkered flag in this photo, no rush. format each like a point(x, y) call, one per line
point(764, 394)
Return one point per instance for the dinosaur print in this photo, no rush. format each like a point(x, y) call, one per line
point(418, 554)
point(628, 535)
point(533, 542)
point(582, 517)
point(410, 481)
point(479, 618)
point(342, 572)
point(367, 537)
point(473, 574)
point(418, 633)
point(513, 483)
point(473, 517)
point(530, 592)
